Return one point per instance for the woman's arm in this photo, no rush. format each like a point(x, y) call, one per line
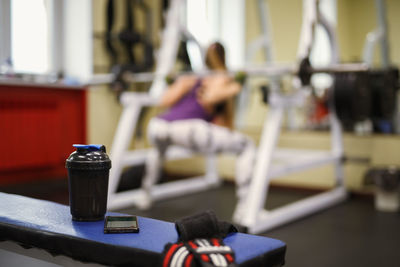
point(177, 90)
point(219, 92)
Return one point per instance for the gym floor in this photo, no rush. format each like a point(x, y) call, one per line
point(350, 234)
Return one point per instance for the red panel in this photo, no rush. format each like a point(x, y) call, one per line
point(37, 129)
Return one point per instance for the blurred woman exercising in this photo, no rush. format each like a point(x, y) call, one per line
point(200, 117)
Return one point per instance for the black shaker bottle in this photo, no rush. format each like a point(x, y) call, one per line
point(88, 171)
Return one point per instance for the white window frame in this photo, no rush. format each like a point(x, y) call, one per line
point(70, 33)
point(5, 30)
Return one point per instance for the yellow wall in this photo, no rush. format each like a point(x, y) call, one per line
point(355, 19)
point(393, 10)
point(285, 26)
point(104, 109)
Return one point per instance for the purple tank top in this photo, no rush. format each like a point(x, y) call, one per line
point(187, 108)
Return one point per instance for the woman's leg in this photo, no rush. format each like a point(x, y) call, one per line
point(157, 132)
point(206, 137)
point(225, 140)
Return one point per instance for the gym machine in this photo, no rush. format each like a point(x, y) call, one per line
point(133, 102)
point(254, 217)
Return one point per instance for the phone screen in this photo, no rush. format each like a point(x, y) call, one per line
point(121, 224)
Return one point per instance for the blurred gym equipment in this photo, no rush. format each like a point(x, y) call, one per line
point(254, 217)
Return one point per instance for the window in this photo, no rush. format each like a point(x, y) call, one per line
point(201, 19)
point(30, 36)
point(222, 20)
point(47, 37)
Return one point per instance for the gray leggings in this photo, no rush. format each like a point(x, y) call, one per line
point(199, 136)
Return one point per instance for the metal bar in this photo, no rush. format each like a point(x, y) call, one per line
point(211, 167)
point(122, 137)
point(345, 67)
point(299, 162)
point(138, 156)
point(268, 70)
point(302, 208)
point(197, 60)
point(258, 189)
point(307, 28)
point(382, 27)
point(140, 77)
point(264, 15)
point(264, 70)
point(330, 31)
point(169, 48)
point(368, 52)
point(107, 78)
point(162, 191)
point(378, 35)
point(104, 78)
point(337, 144)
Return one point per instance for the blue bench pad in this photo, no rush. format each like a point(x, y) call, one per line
point(47, 225)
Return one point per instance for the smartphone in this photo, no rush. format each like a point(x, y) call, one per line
point(121, 224)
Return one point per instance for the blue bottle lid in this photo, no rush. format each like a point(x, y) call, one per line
point(90, 147)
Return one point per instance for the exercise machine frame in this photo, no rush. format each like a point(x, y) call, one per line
point(254, 218)
point(132, 105)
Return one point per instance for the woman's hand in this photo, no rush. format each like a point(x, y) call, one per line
point(217, 89)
